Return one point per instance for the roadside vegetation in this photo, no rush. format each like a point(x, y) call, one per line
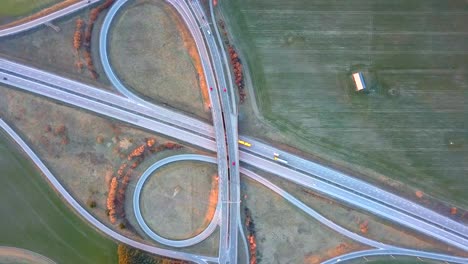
point(408, 132)
point(35, 218)
point(66, 52)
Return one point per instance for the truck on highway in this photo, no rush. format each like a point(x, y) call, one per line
point(280, 160)
point(245, 143)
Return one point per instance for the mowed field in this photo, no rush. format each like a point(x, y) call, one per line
point(33, 217)
point(411, 126)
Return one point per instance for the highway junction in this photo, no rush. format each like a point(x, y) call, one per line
point(222, 138)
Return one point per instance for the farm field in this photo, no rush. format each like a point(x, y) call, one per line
point(412, 124)
point(34, 217)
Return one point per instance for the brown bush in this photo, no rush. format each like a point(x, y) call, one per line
point(60, 130)
point(77, 37)
point(138, 152)
point(111, 201)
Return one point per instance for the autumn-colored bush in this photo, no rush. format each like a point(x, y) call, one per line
point(93, 16)
point(128, 255)
point(251, 236)
point(111, 201)
point(77, 37)
point(172, 145)
point(237, 66)
point(137, 152)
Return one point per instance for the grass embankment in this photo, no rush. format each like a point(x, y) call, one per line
point(412, 126)
point(34, 217)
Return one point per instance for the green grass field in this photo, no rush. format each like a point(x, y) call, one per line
point(12, 8)
point(411, 127)
point(33, 217)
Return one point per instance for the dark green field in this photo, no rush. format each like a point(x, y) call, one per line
point(412, 126)
point(33, 217)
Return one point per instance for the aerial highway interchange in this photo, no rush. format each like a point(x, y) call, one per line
point(222, 138)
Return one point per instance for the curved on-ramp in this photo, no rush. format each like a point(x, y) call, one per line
point(23, 256)
point(91, 219)
point(47, 18)
point(136, 204)
point(395, 252)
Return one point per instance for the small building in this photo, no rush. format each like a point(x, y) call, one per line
point(359, 81)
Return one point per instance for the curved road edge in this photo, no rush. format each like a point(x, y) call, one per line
point(24, 254)
point(136, 204)
point(396, 252)
point(91, 219)
point(382, 249)
point(47, 18)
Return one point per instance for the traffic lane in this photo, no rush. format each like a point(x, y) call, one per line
point(47, 18)
point(225, 208)
point(356, 200)
point(359, 186)
point(312, 212)
point(396, 252)
point(96, 93)
point(107, 110)
point(228, 247)
point(126, 120)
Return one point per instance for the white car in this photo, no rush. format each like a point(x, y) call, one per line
point(209, 33)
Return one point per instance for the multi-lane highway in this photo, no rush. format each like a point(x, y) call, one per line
point(224, 118)
point(47, 18)
point(309, 174)
point(382, 248)
point(395, 252)
point(256, 156)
